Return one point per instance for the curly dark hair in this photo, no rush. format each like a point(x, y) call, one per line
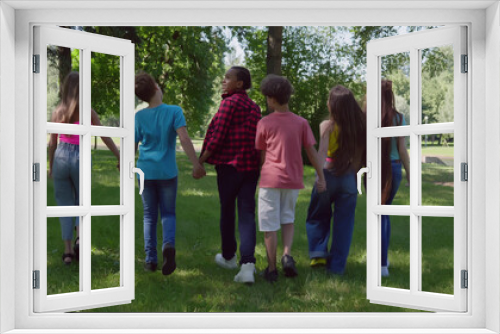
point(277, 87)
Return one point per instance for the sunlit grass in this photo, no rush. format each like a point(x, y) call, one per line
point(198, 285)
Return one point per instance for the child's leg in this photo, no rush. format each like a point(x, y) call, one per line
point(271, 241)
point(269, 223)
point(287, 231)
point(288, 200)
point(150, 204)
point(167, 195)
point(228, 183)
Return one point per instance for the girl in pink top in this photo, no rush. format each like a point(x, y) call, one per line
point(64, 161)
point(281, 137)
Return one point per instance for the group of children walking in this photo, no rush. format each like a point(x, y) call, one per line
point(248, 151)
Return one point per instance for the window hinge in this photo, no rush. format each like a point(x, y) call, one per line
point(465, 279)
point(465, 64)
point(36, 279)
point(36, 172)
point(464, 171)
point(36, 63)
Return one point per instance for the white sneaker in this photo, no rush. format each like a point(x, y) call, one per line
point(384, 272)
point(226, 264)
point(246, 273)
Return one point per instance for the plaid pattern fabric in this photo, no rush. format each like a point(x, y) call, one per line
point(231, 133)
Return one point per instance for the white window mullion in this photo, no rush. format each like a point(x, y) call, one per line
point(127, 226)
point(415, 173)
point(86, 173)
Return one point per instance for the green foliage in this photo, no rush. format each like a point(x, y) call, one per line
point(185, 61)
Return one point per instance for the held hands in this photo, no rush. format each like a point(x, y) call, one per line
point(199, 172)
point(320, 185)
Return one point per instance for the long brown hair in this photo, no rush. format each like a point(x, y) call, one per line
point(389, 116)
point(69, 107)
point(350, 120)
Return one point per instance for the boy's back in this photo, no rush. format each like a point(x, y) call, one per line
point(156, 130)
point(283, 135)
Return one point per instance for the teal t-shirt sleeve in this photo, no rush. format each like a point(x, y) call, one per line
point(138, 136)
point(403, 122)
point(179, 120)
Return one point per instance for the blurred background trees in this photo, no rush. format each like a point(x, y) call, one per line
point(189, 62)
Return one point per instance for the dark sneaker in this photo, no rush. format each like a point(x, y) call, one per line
point(150, 266)
point(168, 260)
point(270, 276)
point(288, 264)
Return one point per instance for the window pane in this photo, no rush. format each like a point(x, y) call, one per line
point(395, 76)
point(60, 62)
point(395, 188)
point(62, 277)
point(63, 178)
point(437, 85)
point(105, 89)
point(437, 254)
point(105, 257)
point(395, 231)
point(437, 169)
point(105, 173)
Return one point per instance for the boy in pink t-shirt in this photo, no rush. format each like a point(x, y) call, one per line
point(280, 137)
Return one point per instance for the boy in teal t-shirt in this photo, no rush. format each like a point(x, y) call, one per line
point(156, 128)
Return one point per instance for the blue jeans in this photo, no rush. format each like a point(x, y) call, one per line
point(158, 194)
point(342, 193)
point(234, 185)
point(66, 176)
point(386, 222)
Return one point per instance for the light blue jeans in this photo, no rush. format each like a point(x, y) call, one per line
point(66, 176)
point(342, 193)
point(397, 175)
point(159, 194)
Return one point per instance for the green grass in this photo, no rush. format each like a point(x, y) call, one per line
point(198, 285)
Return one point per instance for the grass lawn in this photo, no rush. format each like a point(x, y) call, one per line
point(199, 285)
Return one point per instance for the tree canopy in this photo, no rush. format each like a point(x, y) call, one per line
point(189, 62)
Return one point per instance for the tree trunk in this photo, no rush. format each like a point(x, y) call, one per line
point(274, 42)
point(63, 64)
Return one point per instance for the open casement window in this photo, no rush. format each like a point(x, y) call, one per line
point(433, 205)
point(109, 63)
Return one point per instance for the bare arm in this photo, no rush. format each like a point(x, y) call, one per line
point(187, 146)
point(205, 156)
point(405, 158)
point(52, 150)
point(52, 143)
point(314, 159)
point(325, 128)
point(106, 140)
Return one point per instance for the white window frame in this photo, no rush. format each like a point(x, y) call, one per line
point(454, 36)
point(482, 18)
point(86, 297)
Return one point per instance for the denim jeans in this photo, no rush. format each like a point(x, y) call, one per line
point(66, 176)
point(386, 223)
point(237, 186)
point(341, 192)
point(158, 194)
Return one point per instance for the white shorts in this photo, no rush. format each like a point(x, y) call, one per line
point(276, 207)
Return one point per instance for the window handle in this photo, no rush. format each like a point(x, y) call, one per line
point(133, 170)
point(368, 171)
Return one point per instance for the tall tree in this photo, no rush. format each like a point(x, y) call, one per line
point(274, 42)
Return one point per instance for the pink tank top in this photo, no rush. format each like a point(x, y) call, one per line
point(70, 139)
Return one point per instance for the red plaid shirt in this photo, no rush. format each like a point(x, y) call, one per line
point(231, 133)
